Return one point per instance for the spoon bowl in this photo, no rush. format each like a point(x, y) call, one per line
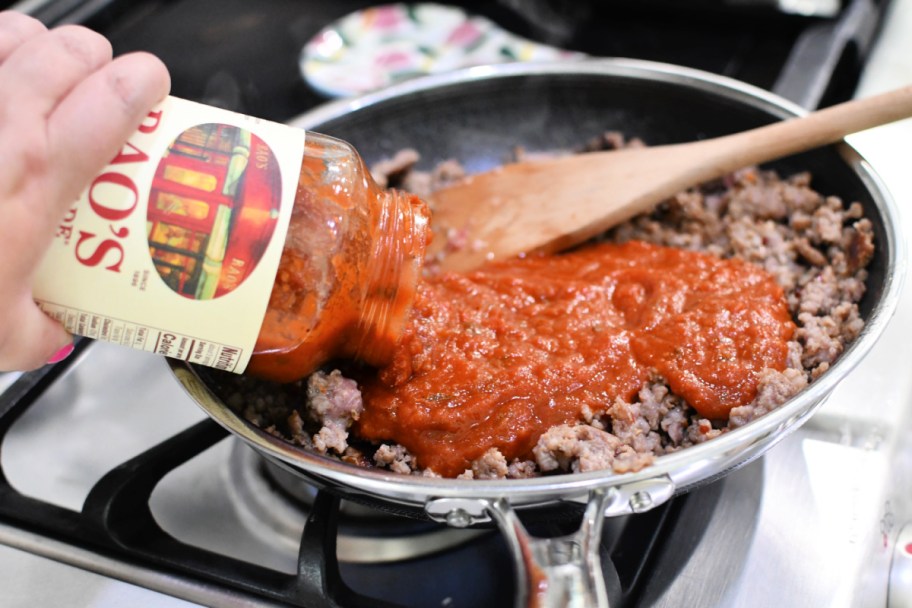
point(549, 205)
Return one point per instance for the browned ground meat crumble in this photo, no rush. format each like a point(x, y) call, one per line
point(815, 246)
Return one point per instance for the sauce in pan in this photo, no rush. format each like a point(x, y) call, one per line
point(496, 357)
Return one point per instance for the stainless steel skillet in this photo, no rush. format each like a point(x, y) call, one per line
point(477, 116)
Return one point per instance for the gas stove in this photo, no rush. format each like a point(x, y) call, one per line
point(117, 490)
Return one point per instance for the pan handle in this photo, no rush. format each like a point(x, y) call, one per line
point(563, 571)
point(559, 571)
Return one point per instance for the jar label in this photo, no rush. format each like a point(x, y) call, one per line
point(175, 246)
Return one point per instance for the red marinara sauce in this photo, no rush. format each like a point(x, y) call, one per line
point(496, 357)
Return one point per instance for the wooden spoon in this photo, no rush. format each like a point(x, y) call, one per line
point(549, 205)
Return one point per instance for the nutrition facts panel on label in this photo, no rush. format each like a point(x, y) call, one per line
point(169, 344)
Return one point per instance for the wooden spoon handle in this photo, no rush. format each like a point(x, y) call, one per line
point(553, 204)
point(813, 130)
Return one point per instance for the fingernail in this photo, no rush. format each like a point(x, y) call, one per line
point(62, 354)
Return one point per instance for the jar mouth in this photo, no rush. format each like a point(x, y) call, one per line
point(402, 233)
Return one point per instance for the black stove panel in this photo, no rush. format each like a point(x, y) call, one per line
point(244, 55)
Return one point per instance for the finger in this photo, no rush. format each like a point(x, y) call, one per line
point(15, 29)
point(90, 126)
point(32, 340)
point(43, 70)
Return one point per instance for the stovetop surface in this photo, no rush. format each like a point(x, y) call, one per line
point(812, 523)
point(215, 52)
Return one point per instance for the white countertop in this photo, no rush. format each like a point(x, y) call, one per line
point(888, 147)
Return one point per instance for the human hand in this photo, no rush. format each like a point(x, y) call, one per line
point(66, 108)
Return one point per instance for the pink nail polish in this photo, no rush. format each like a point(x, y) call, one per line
point(61, 354)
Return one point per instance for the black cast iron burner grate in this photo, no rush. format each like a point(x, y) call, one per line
point(116, 522)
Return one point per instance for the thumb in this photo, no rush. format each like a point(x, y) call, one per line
point(34, 340)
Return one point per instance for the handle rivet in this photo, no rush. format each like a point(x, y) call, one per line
point(458, 518)
point(640, 501)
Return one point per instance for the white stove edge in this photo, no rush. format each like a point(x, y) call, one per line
point(856, 449)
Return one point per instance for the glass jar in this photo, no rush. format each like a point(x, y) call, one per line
point(207, 239)
point(351, 260)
